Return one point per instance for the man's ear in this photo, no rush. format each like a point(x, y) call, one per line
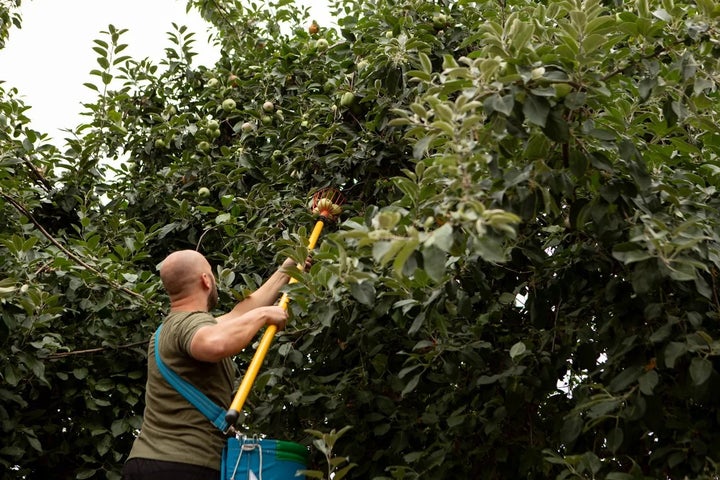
point(207, 281)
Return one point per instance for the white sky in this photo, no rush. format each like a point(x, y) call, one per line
point(50, 58)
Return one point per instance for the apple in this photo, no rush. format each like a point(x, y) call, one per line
point(204, 146)
point(347, 99)
point(268, 106)
point(232, 80)
point(203, 192)
point(439, 20)
point(228, 105)
point(247, 127)
point(213, 124)
point(266, 120)
point(322, 44)
point(562, 89)
point(314, 28)
point(159, 143)
point(389, 34)
point(212, 82)
point(537, 73)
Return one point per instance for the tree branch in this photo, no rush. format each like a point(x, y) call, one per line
point(56, 356)
point(67, 252)
point(38, 175)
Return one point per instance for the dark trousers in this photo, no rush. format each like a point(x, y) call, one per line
point(146, 469)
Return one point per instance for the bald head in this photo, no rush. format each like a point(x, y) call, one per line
point(182, 273)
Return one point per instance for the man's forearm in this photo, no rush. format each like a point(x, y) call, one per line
point(267, 294)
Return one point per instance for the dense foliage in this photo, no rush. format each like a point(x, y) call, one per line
point(523, 283)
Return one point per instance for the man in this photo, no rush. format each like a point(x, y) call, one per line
point(176, 441)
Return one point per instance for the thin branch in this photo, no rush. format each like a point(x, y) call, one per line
point(56, 356)
point(656, 53)
point(67, 252)
point(38, 175)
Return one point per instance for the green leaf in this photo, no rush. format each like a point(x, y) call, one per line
point(105, 385)
point(434, 263)
point(417, 323)
point(556, 127)
point(648, 381)
point(630, 253)
point(411, 385)
point(625, 378)
point(497, 103)
point(700, 370)
point(422, 146)
point(619, 476)
point(517, 349)
point(442, 238)
point(363, 292)
point(425, 62)
point(536, 110)
point(615, 439)
point(408, 249)
point(89, 473)
point(673, 351)
point(571, 428)
point(223, 218)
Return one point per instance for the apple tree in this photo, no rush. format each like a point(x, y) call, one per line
point(523, 282)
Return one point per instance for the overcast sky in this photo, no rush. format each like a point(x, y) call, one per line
point(50, 58)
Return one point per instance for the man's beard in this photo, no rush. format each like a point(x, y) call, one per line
point(212, 297)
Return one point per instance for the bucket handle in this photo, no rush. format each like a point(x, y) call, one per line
point(248, 447)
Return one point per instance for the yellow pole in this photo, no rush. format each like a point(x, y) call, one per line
point(244, 389)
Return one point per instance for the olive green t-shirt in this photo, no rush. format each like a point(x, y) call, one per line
point(173, 430)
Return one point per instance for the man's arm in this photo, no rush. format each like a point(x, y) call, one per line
point(212, 343)
point(236, 329)
point(265, 295)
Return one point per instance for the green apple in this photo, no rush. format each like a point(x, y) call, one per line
point(212, 82)
point(247, 127)
point(213, 124)
point(266, 120)
point(322, 44)
point(562, 89)
point(228, 105)
point(268, 106)
point(159, 143)
point(204, 146)
point(439, 20)
point(347, 99)
point(203, 192)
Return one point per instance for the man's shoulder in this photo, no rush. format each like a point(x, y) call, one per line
point(189, 317)
point(182, 326)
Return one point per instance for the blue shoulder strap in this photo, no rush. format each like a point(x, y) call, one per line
point(199, 400)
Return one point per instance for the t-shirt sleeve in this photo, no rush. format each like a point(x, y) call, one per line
point(187, 328)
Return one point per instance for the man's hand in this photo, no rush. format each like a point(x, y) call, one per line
point(274, 315)
point(289, 263)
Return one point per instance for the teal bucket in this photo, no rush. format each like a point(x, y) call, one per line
point(261, 458)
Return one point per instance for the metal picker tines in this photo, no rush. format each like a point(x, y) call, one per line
point(327, 205)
